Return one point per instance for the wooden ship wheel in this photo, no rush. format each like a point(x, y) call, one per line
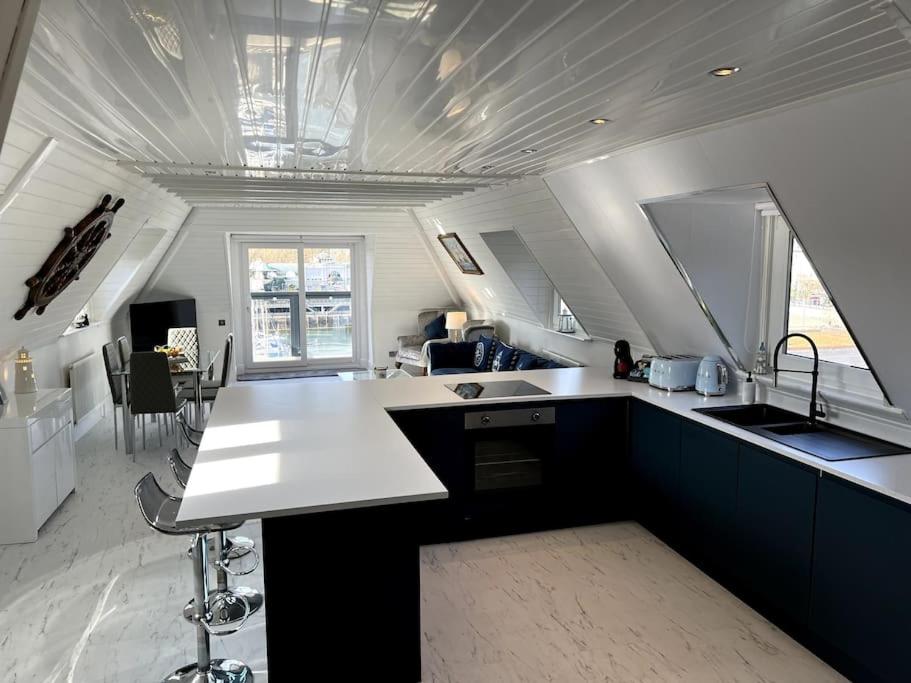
point(70, 256)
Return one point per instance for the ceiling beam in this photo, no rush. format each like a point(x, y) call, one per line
point(200, 168)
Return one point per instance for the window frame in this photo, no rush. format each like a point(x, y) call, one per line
point(777, 257)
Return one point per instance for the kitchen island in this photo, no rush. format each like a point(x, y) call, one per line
point(342, 493)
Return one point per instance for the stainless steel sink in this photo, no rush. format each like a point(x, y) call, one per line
point(823, 440)
point(751, 415)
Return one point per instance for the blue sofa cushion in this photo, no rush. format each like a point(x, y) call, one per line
point(551, 365)
point(528, 361)
point(504, 357)
point(455, 355)
point(436, 328)
point(483, 353)
point(452, 371)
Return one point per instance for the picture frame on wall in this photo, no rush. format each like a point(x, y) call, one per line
point(459, 254)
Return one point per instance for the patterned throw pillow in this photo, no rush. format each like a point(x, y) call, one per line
point(504, 357)
point(483, 354)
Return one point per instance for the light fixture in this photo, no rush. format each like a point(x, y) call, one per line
point(724, 71)
point(25, 373)
point(454, 322)
point(528, 150)
point(599, 121)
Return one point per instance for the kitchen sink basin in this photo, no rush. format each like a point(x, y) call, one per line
point(799, 428)
point(751, 415)
point(821, 439)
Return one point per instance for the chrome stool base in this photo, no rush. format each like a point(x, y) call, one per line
point(226, 607)
point(236, 546)
point(220, 671)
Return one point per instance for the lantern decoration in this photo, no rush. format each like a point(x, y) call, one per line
point(25, 373)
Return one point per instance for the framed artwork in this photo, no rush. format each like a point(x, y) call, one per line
point(454, 247)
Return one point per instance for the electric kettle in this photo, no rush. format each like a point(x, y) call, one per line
point(712, 377)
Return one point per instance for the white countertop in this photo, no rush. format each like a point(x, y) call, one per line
point(289, 448)
point(25, 407)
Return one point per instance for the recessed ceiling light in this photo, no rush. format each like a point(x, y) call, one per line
point(724, 71)
point(599, 121)
point(528, 150)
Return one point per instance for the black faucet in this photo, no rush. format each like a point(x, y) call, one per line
point(814, 411)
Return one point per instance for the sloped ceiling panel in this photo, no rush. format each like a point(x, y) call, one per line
point(843, 187)
point(68, 185)
point(431, 85)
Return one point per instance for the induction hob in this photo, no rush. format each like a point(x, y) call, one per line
point(497, 389)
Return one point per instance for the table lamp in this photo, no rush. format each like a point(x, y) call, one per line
point(25, 373)
point(454, 322)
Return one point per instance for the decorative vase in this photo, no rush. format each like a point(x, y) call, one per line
point(25, 374)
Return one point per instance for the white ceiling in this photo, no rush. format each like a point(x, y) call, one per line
point(452, 88)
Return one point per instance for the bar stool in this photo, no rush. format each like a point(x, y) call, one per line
point(160, 512)
point(225, 548)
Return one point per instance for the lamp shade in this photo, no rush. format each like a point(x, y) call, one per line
point(455, 320)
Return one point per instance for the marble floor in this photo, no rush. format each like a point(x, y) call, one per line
point(97, 598)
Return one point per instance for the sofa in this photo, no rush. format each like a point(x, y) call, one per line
point(414, 348)
point(488, 354)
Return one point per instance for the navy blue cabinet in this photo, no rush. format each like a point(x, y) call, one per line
point(655, 468)
point(860, 605)
point(708, 497)
point(776, 502)
point(437, 434)
point(586, 477)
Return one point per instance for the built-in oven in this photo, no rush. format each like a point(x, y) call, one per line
point(509, 448)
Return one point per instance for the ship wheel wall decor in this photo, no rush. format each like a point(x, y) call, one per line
point(70, 256)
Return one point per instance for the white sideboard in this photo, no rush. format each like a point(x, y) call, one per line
point(38, 461)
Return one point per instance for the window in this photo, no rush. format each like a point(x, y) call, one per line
point(811, 312)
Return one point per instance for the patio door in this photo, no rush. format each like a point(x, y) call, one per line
point(299, 303)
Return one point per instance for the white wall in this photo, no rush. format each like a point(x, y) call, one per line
point(67, 186)
point(529, 208)
point(404, 277)
point(839, 167)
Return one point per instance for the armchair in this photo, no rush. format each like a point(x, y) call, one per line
point(413, 347)
point(473, 329)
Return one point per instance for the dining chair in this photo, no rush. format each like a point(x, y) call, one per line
point(152, 390)
point(188, 339)
point(210, 387)
point(112, 364)
point(124, 350)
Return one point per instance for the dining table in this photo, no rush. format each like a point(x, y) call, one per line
point(179, 365)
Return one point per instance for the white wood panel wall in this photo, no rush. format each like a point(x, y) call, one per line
point(405, 280)
point(529, 208)
point(68, 185)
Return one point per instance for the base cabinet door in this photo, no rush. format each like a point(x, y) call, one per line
point(44, 482)
point(586, 479)
point(65, 463)
point(774, 521)
point(655, 468)
point(708, 497)
point(860, 603)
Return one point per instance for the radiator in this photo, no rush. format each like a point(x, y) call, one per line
point(560, 358)
point(88, 382)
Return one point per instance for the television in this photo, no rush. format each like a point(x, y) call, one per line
point(149, 323)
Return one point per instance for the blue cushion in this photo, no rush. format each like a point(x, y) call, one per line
point(452, 371)
point(528, 361)
point(455, 355)
point(436, 328)
point(551, 364)
point(503, 357)
point(483, 353)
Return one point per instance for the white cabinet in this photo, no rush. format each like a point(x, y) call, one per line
point(38, 461)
